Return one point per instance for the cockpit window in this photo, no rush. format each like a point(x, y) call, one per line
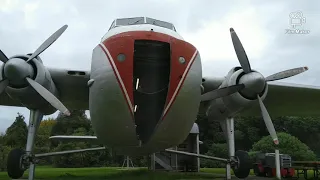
point(160, 23)
point(129, 21)
point(112, 25)
point(141, 20)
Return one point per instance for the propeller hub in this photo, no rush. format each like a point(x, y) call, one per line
point(16, 70)
point(254, 84)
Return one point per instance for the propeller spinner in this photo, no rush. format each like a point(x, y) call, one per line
point(254, 82)
point(17, 71)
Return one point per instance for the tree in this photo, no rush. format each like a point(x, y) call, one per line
point(66, 125)
point(42, 141)
point(2, 141)
point(79, 125)
point(4, 151)
point(217, 150)
point(210, 132)
point(252, 129)
point(287, 145)
point(43, 133)
point(306, 129)
point(16, 134)
point(69, 160)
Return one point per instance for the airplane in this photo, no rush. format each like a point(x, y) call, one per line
point(144, 91)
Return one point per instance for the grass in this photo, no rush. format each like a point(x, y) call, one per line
point(218, 171)
point(49, 173)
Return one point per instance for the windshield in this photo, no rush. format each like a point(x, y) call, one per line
point(112, 25)
point(160, 23)
point(130, 21)
point(141, 20)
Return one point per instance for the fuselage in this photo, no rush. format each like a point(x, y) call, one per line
point(146, 90)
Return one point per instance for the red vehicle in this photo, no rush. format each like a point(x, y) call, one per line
point(265, 165)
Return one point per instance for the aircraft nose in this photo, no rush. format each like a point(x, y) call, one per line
point(150, 68)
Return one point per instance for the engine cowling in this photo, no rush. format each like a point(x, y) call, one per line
point(26, 95)
point(231, 105)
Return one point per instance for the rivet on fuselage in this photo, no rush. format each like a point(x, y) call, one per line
point(121, 57)
point(182, 60)
point(90, 82)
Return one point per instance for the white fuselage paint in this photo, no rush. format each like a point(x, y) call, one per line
point(140, 27)
point(113, 122)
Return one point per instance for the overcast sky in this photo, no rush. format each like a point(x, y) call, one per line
point(260, 25)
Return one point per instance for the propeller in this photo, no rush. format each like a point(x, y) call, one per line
point(18, 71)
point(3, 57)
point(48, 42)
point(255, 82)
point(286, 74)
point(47, 95)
point(221, 92)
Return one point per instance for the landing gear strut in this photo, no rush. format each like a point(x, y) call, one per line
point(240, 160)
point(20, 160)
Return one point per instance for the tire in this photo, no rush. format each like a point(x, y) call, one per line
point(14, 164)
point(242, 170)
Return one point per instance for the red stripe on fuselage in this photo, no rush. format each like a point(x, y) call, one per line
point(118, 77)
point(124, 43)
point(177, 90)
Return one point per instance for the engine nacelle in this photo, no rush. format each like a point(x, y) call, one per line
point(26, 95)
point(229, 106)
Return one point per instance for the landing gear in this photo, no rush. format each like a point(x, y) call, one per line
point(20, 160)
point(242, 167)
point(14, 166)
point(240, 160)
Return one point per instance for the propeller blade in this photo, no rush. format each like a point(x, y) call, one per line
point(286, 73)
point(48, 42)
point(218, 93)
point(3, 57)
point(268, 122)
point(241, 53)
point(3, 84)
point(47, 95)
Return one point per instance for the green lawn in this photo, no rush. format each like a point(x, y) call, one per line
point(48, 173)
point(115, 173)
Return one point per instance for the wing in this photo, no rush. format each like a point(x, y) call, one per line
point(209, 84)
point(286, 99)
point(283, 99)
point(72, 87)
